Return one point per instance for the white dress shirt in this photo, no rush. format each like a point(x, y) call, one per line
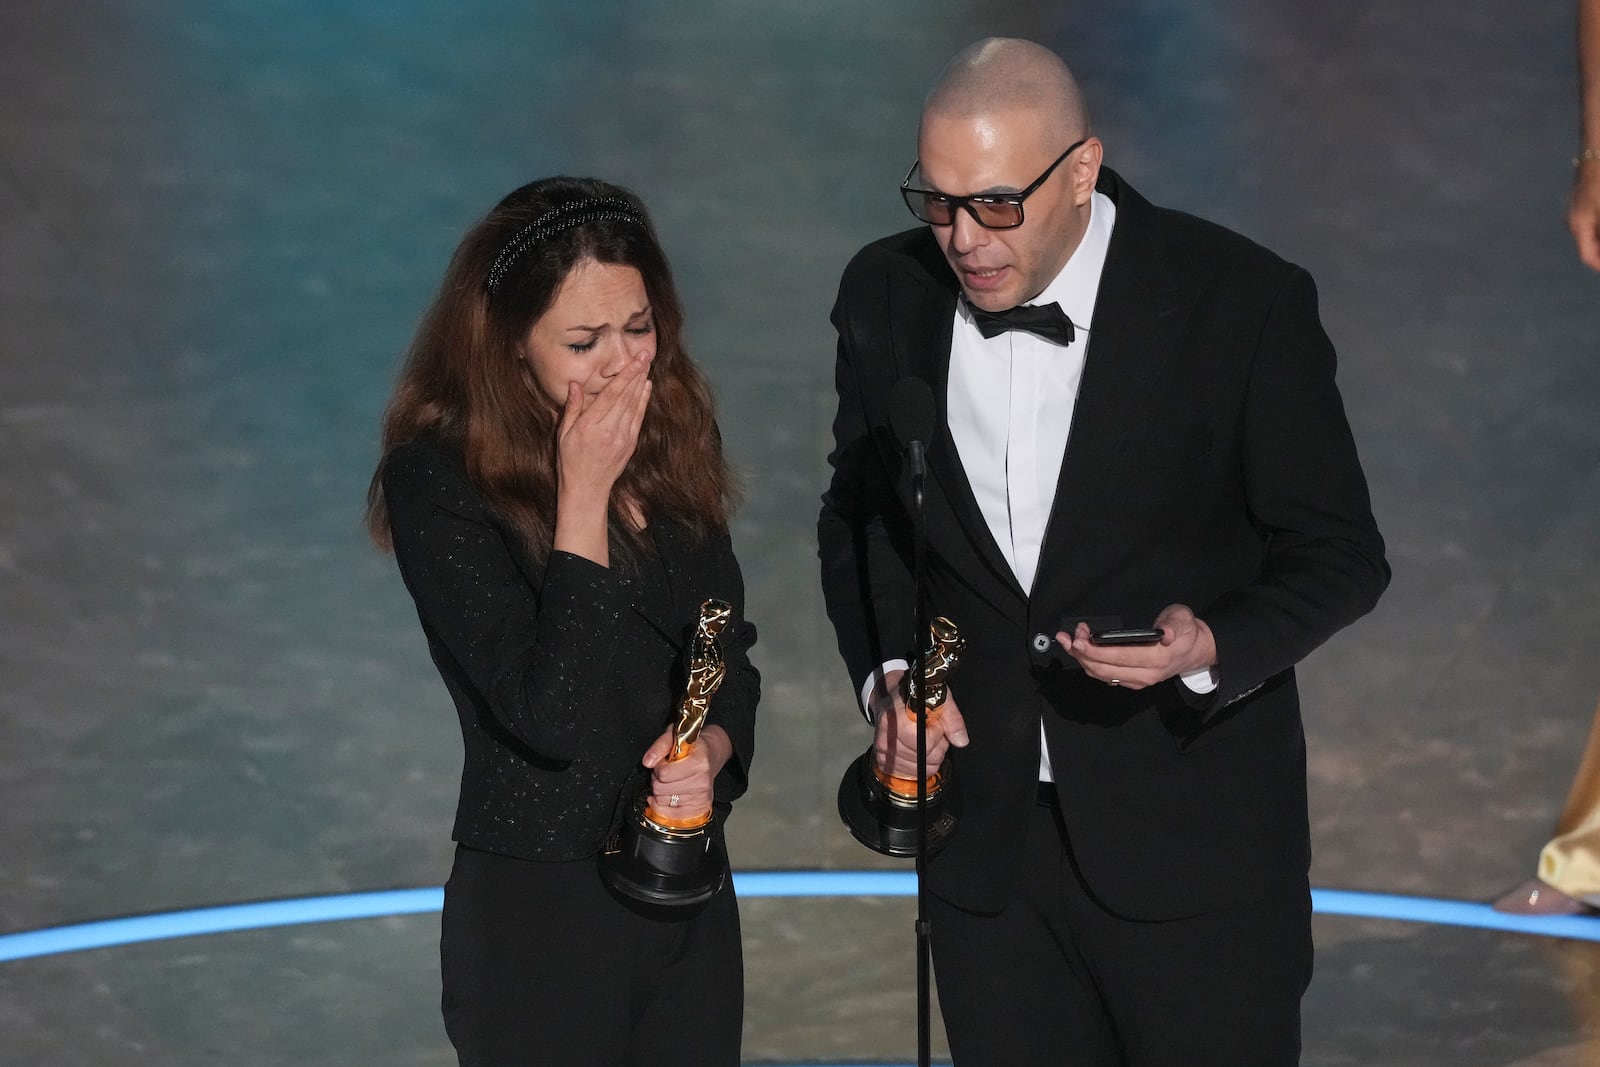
point(1011, 400)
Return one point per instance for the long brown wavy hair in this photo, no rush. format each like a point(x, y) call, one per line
point(466, 384)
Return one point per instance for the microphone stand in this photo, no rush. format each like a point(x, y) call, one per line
point(914, 691)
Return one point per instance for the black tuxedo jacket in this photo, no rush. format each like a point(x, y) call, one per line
point(1210, 463)
point(562, 671)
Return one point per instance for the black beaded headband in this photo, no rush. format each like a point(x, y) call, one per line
point(552, 222)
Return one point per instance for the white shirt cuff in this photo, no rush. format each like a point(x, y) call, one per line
point(872, 680)
point(1202, 682)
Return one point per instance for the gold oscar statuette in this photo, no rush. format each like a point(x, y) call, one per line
point(880, 809)
point(659, 857)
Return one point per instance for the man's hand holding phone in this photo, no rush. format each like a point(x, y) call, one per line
point(1177, 643)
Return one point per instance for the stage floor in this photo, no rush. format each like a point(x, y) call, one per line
point(219, 224)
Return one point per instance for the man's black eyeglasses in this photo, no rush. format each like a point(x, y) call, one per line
point(993, 211)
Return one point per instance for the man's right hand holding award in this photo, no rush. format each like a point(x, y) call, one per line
point(879, 795)
point(894, 745)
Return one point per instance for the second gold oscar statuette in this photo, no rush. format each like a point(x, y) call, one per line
point(880, 809)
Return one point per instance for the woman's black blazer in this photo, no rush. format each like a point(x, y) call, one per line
point(562, 671)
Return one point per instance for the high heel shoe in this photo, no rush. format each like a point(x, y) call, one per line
point(1535, 897)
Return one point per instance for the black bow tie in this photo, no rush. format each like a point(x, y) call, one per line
point(1047, 321)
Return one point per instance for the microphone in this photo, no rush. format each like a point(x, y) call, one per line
point(911, 418)
point(911, 816)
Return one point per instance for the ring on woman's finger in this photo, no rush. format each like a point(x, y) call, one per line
point(673, 801)
point(1116, 681)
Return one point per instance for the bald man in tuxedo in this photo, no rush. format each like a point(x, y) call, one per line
point(1137, 426)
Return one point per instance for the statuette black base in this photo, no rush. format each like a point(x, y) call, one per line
point(885, 821)
point(665, 866)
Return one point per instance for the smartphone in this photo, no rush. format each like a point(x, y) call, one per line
point(1138, 636)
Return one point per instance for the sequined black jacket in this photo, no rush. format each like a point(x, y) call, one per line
point(563, 671)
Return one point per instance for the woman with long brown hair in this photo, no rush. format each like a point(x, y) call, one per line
point(554, 491)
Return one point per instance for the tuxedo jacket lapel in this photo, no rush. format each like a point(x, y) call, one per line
point(1139, 315)
point(921, 344)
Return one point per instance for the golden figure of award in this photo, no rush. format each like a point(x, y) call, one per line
point(659, 857)
point(881, 809)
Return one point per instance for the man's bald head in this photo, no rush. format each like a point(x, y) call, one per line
point(1006, 74)
point(1001, 112)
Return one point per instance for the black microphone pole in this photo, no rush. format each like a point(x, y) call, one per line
point(913, 419)
point(920, 627)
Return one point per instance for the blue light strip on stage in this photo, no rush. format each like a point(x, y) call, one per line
point(825, 883)
point(222, 920)
point(750, 885)
point(1451, 913)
